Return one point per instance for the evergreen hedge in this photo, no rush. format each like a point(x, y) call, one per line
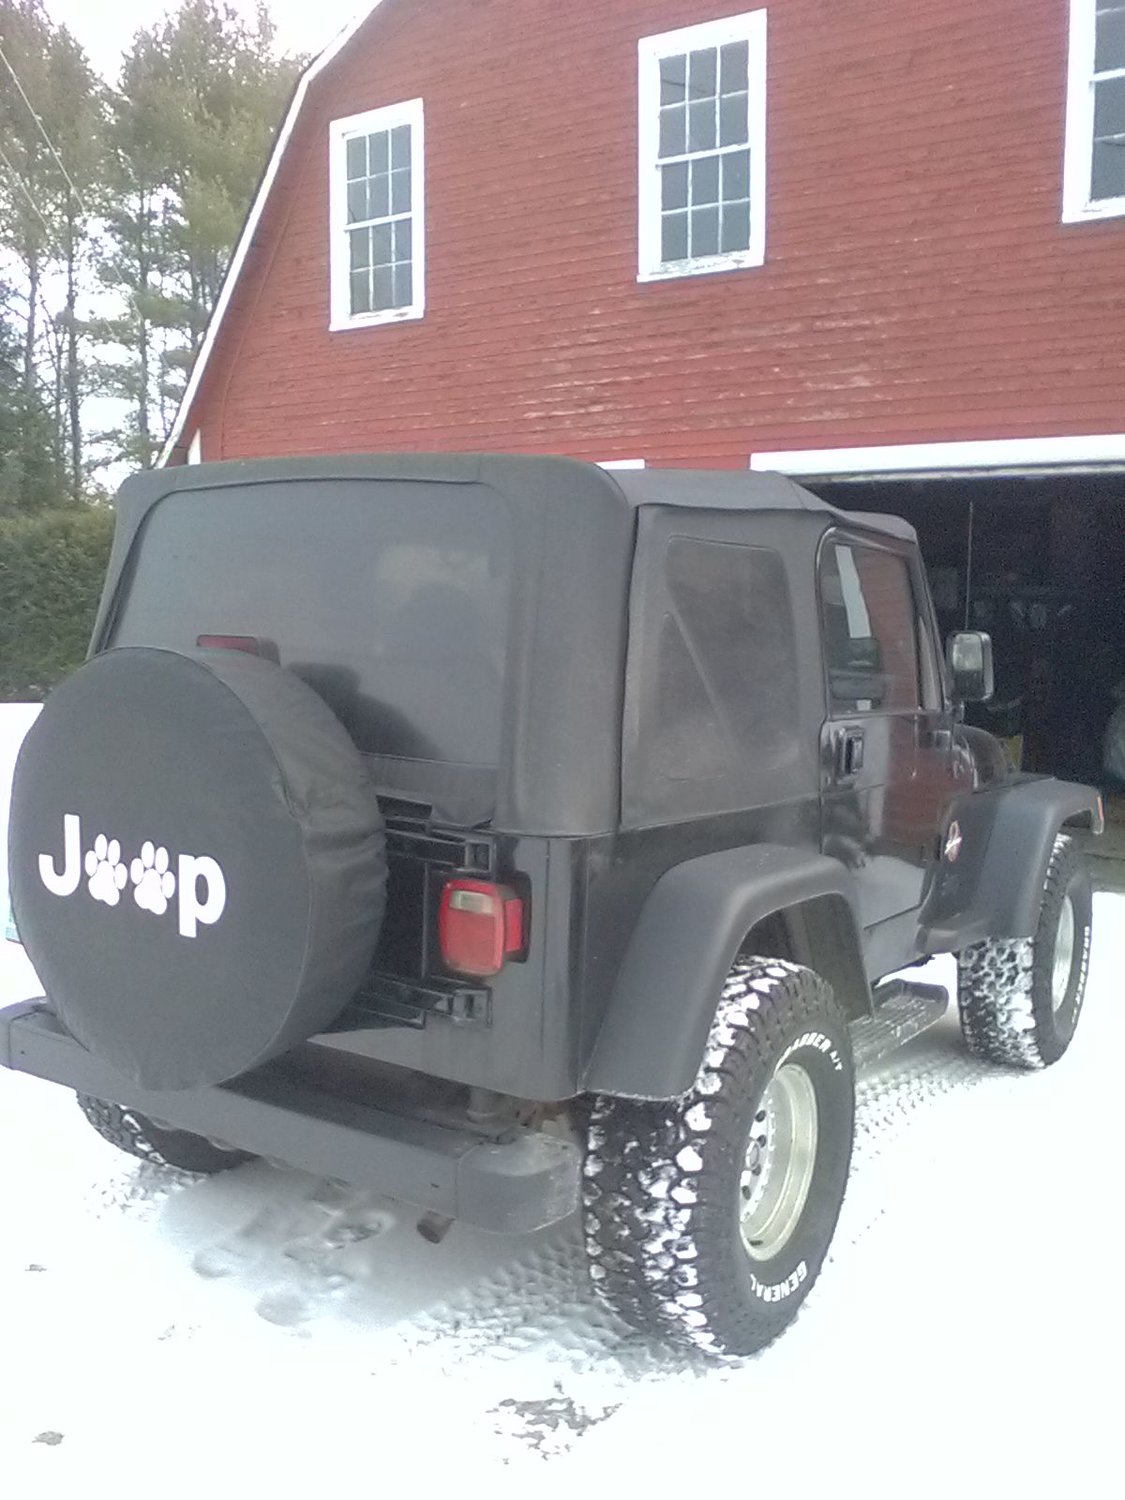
point(51, 570)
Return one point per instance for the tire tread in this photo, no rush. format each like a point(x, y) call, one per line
point(653, 1215)
point(141, 1137)
point(996, 983)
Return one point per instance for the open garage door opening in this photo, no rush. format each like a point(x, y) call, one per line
point(1039, 563)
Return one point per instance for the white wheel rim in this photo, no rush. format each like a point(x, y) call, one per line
point(780, 1162)
point(1064, 954)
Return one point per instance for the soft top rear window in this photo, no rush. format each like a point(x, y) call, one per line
point(390, 598)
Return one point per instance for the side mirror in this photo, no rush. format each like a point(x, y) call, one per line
point(969, 654)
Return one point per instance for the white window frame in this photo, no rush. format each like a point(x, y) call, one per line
point(195, 448)
point(1062, 455)
point(751, 28)
point(1078, 153)
point(409, 113)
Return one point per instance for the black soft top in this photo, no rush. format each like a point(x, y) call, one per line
point(570, 530)
point(525, 478)
point(734, 489)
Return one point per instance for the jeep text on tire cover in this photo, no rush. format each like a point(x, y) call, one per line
point(200, 882)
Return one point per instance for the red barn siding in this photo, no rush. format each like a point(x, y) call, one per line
point(918, 284)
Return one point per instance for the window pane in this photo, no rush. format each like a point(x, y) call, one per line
point(1109, 108)
point(673, 130)
point(359, 241)
point(674, 192)
point(357, 158)
point(705, 180)
point(400, 146)
point(404, 284)
point(870, 642)
point(404, 239)
point(736, 227)
point(381, 245)
point(701, 126)
point(736, 176)
point(361, 292)
point(379, 155)
point(379, 197)
point(400, 192)
point(701, 74)
point(673, 80)
point(734, 119)
point(673, 240)
point(384, 289)
point(1111, 41)
point(1109, 171)
point(357, 202)
point(727, 686)
point(404, 684)
point(704, 232)
point(734, 70)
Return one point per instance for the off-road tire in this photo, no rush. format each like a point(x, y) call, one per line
point(662, 1181)
point(143, 1138)
point(1004, 986)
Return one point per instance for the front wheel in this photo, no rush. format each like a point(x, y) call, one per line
point(708, 1217)
point(1020, 998)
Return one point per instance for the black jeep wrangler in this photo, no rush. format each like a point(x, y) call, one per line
point(518, 838)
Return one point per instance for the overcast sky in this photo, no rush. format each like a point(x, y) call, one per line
point(106, 27)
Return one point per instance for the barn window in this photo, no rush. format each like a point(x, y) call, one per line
point(377, 213)
point(702, 138)
point(1094, 166)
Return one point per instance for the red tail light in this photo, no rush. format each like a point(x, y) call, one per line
point(252, 645)
point(248, 643)
point(480, 926)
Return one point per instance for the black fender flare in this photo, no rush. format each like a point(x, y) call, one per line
point(689, 932)
point(1014, 827)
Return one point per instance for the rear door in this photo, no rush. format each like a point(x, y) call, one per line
point(885, 766)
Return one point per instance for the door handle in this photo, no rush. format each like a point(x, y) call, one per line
point(849, 752)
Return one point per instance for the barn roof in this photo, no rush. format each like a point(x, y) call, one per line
point(176, 437)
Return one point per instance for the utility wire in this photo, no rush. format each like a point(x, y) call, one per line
point(43, 132)
point(26, 191)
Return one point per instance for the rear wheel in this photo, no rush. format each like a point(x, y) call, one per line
point(1021, 998)
point(141, 1137)
point(708, 1217)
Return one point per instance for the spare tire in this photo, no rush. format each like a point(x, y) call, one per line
point(197, 862)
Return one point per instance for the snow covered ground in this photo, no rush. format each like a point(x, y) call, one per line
point(271, 1334)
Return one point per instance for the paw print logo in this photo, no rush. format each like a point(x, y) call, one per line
point(155, 884)
point(107, 874)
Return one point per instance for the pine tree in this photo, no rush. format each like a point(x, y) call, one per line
point(50, 131)
point(28, 479)
point(200, 98)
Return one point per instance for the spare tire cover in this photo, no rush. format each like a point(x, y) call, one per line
point(197, 862)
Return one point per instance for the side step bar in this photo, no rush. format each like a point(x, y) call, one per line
point(903, 1010)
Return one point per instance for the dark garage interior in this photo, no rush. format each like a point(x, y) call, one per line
point(1039, 563)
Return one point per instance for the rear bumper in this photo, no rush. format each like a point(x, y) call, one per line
point(520, 1182)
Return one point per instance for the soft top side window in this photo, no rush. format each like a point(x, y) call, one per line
point(712, 713)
